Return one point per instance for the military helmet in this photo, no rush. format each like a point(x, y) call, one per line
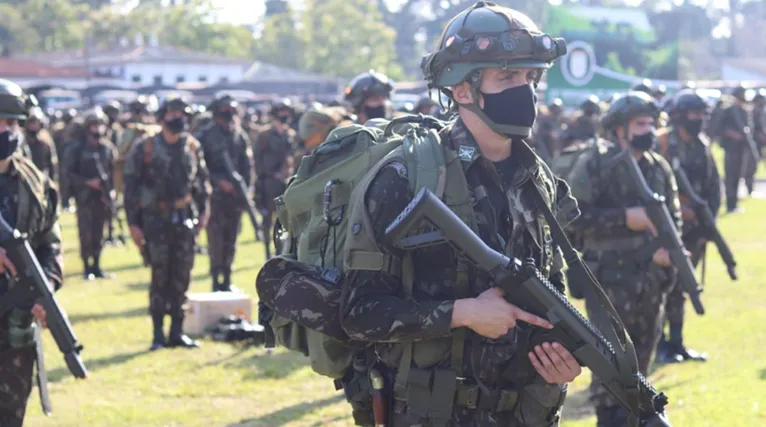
point(283, 104)
point(112, 107)
point(488, 36)
point(94, 116)
point(14, 104)
point(688, 100)
point(627, 106)
point(591, 106)
point(36, 114)
point(645, 86)
point(760, 96)
point(223, 101)
point(173, 104)
point(68, 115)
point(366, 85)
point(660, 91)
point(315, 124)
point(425, 101)
point(556, 105)
point(739, 92)
point(140, 105)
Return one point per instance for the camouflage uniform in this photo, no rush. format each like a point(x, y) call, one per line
point(225, 210)
point(161, 181)
point(41, 149)
point(17, 349)
point(735, 118)
point(373, 309)
point(93, 211)
point(636, 286)
point(59, 133)
point(272, 152)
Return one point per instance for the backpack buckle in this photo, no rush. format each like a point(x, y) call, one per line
point(327, 204)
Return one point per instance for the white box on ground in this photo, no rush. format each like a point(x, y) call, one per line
point(203, 311)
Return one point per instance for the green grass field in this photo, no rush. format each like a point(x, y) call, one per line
point(226, 385)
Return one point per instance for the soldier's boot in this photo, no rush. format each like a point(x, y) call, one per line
point(665, 353)
point(87, 269)
point(215, 276)
point(176, 337)
point(676, 345)
point(97, 271)
point(226, 285)
point(611, 416)
point(158, 341)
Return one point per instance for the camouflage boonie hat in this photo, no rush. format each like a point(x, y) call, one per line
point(315, 124)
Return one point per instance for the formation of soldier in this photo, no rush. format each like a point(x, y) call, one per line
point(174, 173)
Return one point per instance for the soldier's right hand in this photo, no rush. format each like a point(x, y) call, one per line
point(226, 186)
point(94, 183)
point(6, 264)
point(637, 220)
point(491, 316)
point(137, 234)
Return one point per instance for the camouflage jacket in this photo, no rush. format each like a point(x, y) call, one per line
point(604, 192)
point(373, 308)
point(41, 150)
point(161, 178)
point(271, 151)
point(80, 166)
point(34, 198)
point(215, 141)
point(697, 161)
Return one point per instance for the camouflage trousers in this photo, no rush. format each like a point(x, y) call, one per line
point(222, 231)
point(16, 371)
point(639, 298)
point(172, 259)
point(733, 170)
point(92, 217)
point(675, 308)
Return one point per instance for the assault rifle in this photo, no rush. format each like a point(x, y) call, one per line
point(706, 221)
point(108, 196)
point(667, 232)
point(30, 287)
point(240, 187)
point(612, 359)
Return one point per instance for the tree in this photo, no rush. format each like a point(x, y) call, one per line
point(281, 43)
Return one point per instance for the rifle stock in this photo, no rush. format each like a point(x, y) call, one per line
point(705, 218)
point(32, 286)
point(240, 187)
point(612, 359)
point(667, 233)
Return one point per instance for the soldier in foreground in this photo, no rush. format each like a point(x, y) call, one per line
point(461, 324)
point(39, 145)
point(734, 123)
point(614, 231)
point(30, 208)
point(164, 175)
point(686, 142)
point(369, 95)
point(89, 157)
point(225, 137)
point(272, 152)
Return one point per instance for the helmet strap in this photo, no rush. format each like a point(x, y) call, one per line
point(522, 131)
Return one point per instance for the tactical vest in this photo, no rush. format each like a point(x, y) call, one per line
point(156, 170)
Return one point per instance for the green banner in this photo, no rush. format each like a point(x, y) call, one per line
point(608, 50)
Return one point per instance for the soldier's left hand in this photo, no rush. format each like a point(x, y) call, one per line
point(554, 363)
point(39, 312)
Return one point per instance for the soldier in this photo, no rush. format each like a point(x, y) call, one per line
point(686, 142)
point(60, 138)
point(369, 95)
point(164, 175)
point(89, 157)
point(646, 86)
point(759, 131)
point(615, 230)
point(584, 123)
point(114, 129)
point(549, 129)
point(425, 106)
point(465, 326)
point(735, 122)
point(31, 208)
point(272, 152)
point(39, 145)
point(139, 111)
point(225, 137)
point(316, 124)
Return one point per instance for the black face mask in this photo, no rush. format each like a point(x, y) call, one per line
point(643, 142)
point(516, 106)
point(8, 143)
point(375, 112)
point(176, 125)
point(227, 115)
point(693, 127)
point(33, 132)
point(96, 134)
point(283, 119)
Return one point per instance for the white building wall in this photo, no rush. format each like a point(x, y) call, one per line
point(191, 73)
point(729, 72)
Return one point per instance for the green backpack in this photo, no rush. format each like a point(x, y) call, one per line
point(314, 212)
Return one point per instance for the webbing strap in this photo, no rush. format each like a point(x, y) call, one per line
point(373, 261)
point(458, 336)
point(400, 385)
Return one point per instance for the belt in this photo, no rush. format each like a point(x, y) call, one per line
point(498, 400)
point(177, 204)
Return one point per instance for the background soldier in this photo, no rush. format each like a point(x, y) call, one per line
point(316, 124)
point(90, 155)
point(425, 106)
point(164, 174)
point(614, 230)
point(733, 125)
point(686, 142)
point(494, 91)
point(38, 217)
point(225, 137)
point(272, 152)
point(584, 123)
point(369, 95)
point(548, 130)
point(39, 145)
